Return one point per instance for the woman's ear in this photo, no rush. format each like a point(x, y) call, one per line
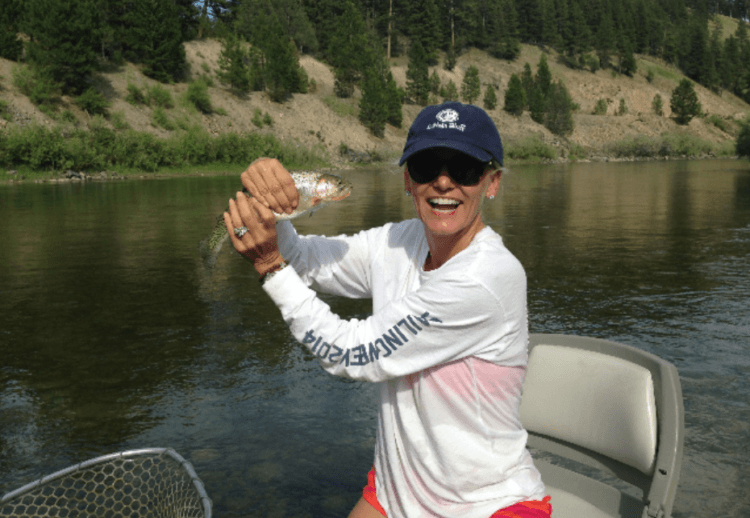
point(407, 181)
point(494, 183)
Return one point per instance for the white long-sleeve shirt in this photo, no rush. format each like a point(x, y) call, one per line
point(449, 348)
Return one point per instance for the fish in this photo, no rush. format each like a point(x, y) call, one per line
point(315, 190)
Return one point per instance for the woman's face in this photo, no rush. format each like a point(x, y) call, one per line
point(445, 206)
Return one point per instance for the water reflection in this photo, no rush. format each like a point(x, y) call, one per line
point(113, 335)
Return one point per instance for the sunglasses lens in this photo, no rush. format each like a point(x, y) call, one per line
point(426, 167)
point(466, 170)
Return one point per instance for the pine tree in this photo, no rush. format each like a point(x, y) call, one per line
point(417, 75)
point(537, 103)
point(274, 63)
point(527, 81)
point(743, 139)
point(543, 77)
point(394, 98)
point(684, 102)
point(155, 37)
point(282, 75)
point(605, 41)
point(10, 45)
point(471, 87)
point(559, 110)
point(63, 38)
point(434, 82)
point(424, 27)
point(628, 64)
point(450, 92)
point(490, 99)
point(349, 50)
point(373, 109)
point(515, 96)
point(232, 68)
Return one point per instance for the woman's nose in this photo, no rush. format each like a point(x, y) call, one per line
point(444, 181)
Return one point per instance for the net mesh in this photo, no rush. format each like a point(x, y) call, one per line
point(155, 483)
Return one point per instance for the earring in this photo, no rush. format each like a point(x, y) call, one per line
point(491, 197)
point(407, 193)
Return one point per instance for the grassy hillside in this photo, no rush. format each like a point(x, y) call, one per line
point(320, 122)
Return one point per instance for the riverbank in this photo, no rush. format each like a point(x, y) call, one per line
point(327, 129)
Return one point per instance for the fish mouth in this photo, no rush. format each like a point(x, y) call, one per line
point(340, 197)
point(443, 205)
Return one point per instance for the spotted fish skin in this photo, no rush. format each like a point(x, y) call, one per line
point(315, 190)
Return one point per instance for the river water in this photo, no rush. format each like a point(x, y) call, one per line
point(114, 337)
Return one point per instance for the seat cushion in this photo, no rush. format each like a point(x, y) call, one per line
point(600, 402)
point(568, 505)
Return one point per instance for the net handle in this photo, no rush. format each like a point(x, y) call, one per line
point(205, 500)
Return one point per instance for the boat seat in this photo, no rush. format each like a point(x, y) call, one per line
point(606, 426)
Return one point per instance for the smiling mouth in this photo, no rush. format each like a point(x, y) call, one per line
point(443, 205)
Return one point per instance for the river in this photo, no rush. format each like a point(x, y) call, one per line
point(114, 337)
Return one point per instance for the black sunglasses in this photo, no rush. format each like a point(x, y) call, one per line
point(425, 167)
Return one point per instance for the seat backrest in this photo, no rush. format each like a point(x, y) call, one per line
point(601, 402)
point(606, 405)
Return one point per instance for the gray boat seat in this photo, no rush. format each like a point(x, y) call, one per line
point(606, 426)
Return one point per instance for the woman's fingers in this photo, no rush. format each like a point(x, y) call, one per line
point(269, 182)
point(259, 243)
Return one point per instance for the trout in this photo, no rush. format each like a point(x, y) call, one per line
point(315, 190)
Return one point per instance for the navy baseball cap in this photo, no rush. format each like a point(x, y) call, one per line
point(453, 125)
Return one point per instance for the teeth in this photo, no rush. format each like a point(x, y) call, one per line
point(443, 201)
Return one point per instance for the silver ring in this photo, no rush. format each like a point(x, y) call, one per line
point(239, 232)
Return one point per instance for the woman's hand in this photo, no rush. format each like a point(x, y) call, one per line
point(259, 244)
point(271, 184)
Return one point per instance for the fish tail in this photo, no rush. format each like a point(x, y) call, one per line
point(211, 246)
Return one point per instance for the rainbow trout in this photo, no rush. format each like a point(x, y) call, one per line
point(315, 190)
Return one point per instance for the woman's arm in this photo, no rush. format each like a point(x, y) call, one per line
point(338, 265)
point(446, 319)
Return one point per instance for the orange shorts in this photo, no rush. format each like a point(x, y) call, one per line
point(527, 509)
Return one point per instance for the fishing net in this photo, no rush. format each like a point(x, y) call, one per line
point(148, 483)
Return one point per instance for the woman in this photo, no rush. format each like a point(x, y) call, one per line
point(448, 336)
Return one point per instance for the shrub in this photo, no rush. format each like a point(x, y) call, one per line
point(160, 119)
point(669, 144)
point(623, 108)
point(743, 139)
point(600, 108)
point(530, 148)
point(720, 123)
point(160, 96)
point(135, 95)
point(197, 95)
point(67, 116)
point(118, 120)
point(257, 120)
point(93, 102)
point(267, 120)
point(100, 147)
point(658, 105)
point(39, 87)
point(5, 111)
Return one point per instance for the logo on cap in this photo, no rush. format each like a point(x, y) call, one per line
point(447, 115)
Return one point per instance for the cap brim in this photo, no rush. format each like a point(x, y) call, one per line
point(473, 151)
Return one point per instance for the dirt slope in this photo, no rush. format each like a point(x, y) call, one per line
point(320, 119)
